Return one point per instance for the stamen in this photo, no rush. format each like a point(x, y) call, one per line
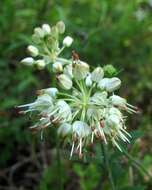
point(26, 105)
point(72, 149)
point(102, 134)
point(80, 149)
point(42, 135)
point(126, 133)
point(92, 137)
point(123, 137)
point(116, 144)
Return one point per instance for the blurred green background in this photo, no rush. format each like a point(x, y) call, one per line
point(117, 32)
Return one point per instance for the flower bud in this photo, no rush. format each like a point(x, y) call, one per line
point(122, 103)
point(88, 81)
point(42, 102)
point(103, 83)
point(97, 74)
point(64, 111)
point(113, 120)
point(57, 67)
point(115, 111)
point(68, 70)
point(93, 113)
point(40, 63)
point(36, 39)
point(46, 29)
point(99, 98)
point(61, 27)
point(33, 50)
point(80, 70)
point(54, 31)
point(67, 41)
point(64, 129)
point(114, 84)
point(118, 101)
point(109, 70)
point(65, 82)
point(50, 91)
point(28, 61)
point(109, 84)
point(81, 129)
point(44, 99)
point(39, 32)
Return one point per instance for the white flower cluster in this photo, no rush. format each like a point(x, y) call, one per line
point(83, 107)
point(45, 48)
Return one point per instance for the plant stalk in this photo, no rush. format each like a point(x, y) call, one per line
point(59, 167)
point(107, 165)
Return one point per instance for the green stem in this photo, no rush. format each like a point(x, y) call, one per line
point(61, 50)
point(107, 165)
point(59, 167)
point(68, 95)
point(65, 61)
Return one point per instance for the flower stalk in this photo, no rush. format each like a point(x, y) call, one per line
point(107, 165)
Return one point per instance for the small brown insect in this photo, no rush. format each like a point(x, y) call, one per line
point(75, 56)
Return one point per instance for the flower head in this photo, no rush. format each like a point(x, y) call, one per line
point(84, 107)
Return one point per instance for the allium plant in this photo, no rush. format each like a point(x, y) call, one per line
point(83, 106)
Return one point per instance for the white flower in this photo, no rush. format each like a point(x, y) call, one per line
point(81, 129)
point(61, 27)
point(109, 84)
point(103, 83)
point(67, 41)
point(39, 32)
point(28, 61)
point(43, 123)
point(65, 82)
point(50, 91)
point(33, 50)
point(88, 81)
point(42, 102)
point(64, 129)
point(46, 29)
point(93, 113)
point(122, 103)
point(40, 63)
point(97, 74)
point(57, 67)
point(99, 132)
point(99, 99)
point(113, 120)
point(64, 111)
point(115, 111)
point(116, 128)
point(117, 101)
point(80, 70)
point(68, 71)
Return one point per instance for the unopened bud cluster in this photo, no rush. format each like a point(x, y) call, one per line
point(83, 106)
point(46, 48)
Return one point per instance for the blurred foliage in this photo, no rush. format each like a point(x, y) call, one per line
point(117, 32)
